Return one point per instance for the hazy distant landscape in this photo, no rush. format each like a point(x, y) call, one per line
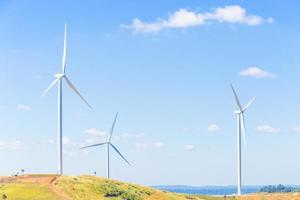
point(209, 190)
point(228, 190)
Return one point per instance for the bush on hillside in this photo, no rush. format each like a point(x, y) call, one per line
point(123, 191)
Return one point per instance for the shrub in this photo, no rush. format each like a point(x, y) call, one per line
point(123, 191)
point(278, 188)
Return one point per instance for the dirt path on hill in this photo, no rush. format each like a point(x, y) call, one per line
point(47, 181)
point(57, 191)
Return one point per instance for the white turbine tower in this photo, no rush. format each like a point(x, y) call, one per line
point(58, 80)
point(240, 130)
point(109, 144)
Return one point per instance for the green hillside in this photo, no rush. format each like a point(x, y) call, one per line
point(50, 187)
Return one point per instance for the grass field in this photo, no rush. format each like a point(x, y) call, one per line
point(51, 187)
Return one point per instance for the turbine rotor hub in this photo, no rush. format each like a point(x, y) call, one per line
point(58, 75)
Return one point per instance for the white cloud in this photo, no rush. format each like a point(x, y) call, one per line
point(95, 132)
point(70, 153)
point(296, 129)
point(213, 128)
point(36, 76)
point(94, 135)
point(23, 107)
point(50, 141)
point(141, 146)
point(188, 147)
point(13, 145)
point(256, 72)
point(140, 135)
point(235, 14)
point(125, 136)
point(122, 136)
point(185, 129)
point(86, 152)
point(266, 129)
point(149, 145)
point(66, 140)
point(184, 18)
point(159, 145)
point(270, 20)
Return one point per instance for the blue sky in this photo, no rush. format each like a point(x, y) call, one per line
point(166, 67)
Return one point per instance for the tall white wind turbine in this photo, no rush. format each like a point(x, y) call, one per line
point(58, 80)
point(240, 130)
point(109, 144)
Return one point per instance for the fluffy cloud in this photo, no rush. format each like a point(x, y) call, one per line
point(141, 146)
point(266, 129)
point(213, 128)
point(149, 145)
point(23, 107)
point(122, 136)
point(125, 136)
point(140, 135)
point(13, 145)
point(296, 129)
point(159, 145)
point(256, 72)
point(95, 132)
point(189, 147)
point(70, 153)
point(94, 135)
point(66, 140)
point(50, 141)
point(36, 76)
point(184, 18)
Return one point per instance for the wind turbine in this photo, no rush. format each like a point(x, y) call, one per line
point(109, 144)
point(58, 80)
point(240, 130)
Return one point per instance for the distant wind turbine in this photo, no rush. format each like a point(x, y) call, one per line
point(58, 80)
point(241, 130)
point(109, 144)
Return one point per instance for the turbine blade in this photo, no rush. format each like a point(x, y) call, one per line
point(94, 145)
point(65, 50)
point(243, 131)
point(51, 85)
point(236, 98)
point(76, 91)
point(115, 148)
point(113, 127)
point(249, 104)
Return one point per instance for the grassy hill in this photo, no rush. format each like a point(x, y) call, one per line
point(51, 187)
